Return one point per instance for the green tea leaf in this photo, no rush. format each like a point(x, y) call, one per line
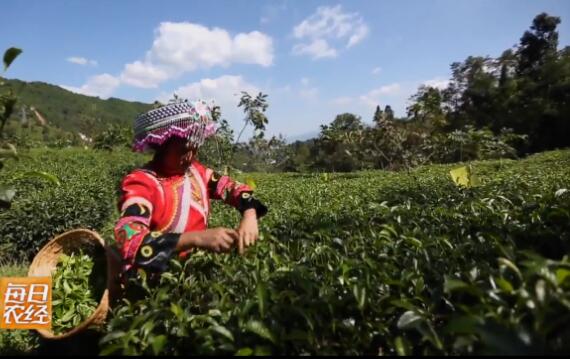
point(10, 55)
point(261, 299)
point(158, 344)
point(112, 336)
point(452, 284)
point(409, 320)
point(262, 350)
point(511, 265)
point(244, 352)
point(402, 346)
point(561, 275)
point(251, 183)
point(504, 284)
point(42, 175)
point(223, 331)
point(260, 329)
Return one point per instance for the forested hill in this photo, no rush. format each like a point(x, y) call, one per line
point(70, 111)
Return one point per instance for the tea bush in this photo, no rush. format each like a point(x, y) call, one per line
point(376, 263)
point(371, 262)
point(86, 197)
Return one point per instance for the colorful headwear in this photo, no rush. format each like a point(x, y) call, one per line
point(191, 120)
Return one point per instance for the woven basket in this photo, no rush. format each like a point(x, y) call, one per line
point(45, 262)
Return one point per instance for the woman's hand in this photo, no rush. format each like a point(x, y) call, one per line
point(248, 231)
point(214, 239)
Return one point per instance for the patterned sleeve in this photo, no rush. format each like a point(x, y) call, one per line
point(233, 193)
point(139, 246)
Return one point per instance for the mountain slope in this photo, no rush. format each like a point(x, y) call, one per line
point(70, 111)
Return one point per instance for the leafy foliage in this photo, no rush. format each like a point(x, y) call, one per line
point(7, 102)
point(254, 109)
point(10, 55)
point(371, 262)
point(86, 196)
point(357, 263)
point(506, 107)
point(113, 136)
point(525, 89)
point(375, 263)
point(77, 288)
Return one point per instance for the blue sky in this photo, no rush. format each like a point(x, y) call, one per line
point(315, 59)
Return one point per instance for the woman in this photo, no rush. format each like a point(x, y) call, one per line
point(165, 204)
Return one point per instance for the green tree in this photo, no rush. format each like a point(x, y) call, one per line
point(8, 150)
point(426, 108)
point(254, 109)
point(339, 143)
point(388, 113)
point(378, 116)
point(114, 136)
point(7, 102)
point(539, 44)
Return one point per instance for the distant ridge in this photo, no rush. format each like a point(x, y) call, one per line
point(73, 112)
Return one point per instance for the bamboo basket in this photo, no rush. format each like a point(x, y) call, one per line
point(45, 262)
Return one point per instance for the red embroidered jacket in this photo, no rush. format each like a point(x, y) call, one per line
point(156, 209)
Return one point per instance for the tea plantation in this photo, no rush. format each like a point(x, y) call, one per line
point(378, 263)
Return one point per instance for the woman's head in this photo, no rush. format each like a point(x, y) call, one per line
point(174, 153)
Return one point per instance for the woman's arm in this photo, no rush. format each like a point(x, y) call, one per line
point(155, 249)
point(248, 230)
point(136, 204)
point(234, 193)
point(214, 239)
point(239, 196)
point(141, 247)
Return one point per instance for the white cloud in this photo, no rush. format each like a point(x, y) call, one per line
point(309, 93)
point(224, 90)
point(438, 82)
point(143, 75)
point(179, 48)
point(391, 89)
point(374, 96)
point(304, 81)
point(342, 101)
point(359, 34)
point(318, 49)
point(253, 48)
point(182, 47)
point(376, 70)
point(100, 85)
point(81, 61)
point(328, 24)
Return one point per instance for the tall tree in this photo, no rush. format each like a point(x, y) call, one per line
point(378, 116)
point(254, 109)
point(471, 91)
point(426, 108)
point(538, 44)
point(388, 113)
point(338, 145)
point(543, 86)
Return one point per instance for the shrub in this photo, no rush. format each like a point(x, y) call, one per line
point(86, 197)
point(375, 263)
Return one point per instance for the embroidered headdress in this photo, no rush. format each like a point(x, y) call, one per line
point(191, 120)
